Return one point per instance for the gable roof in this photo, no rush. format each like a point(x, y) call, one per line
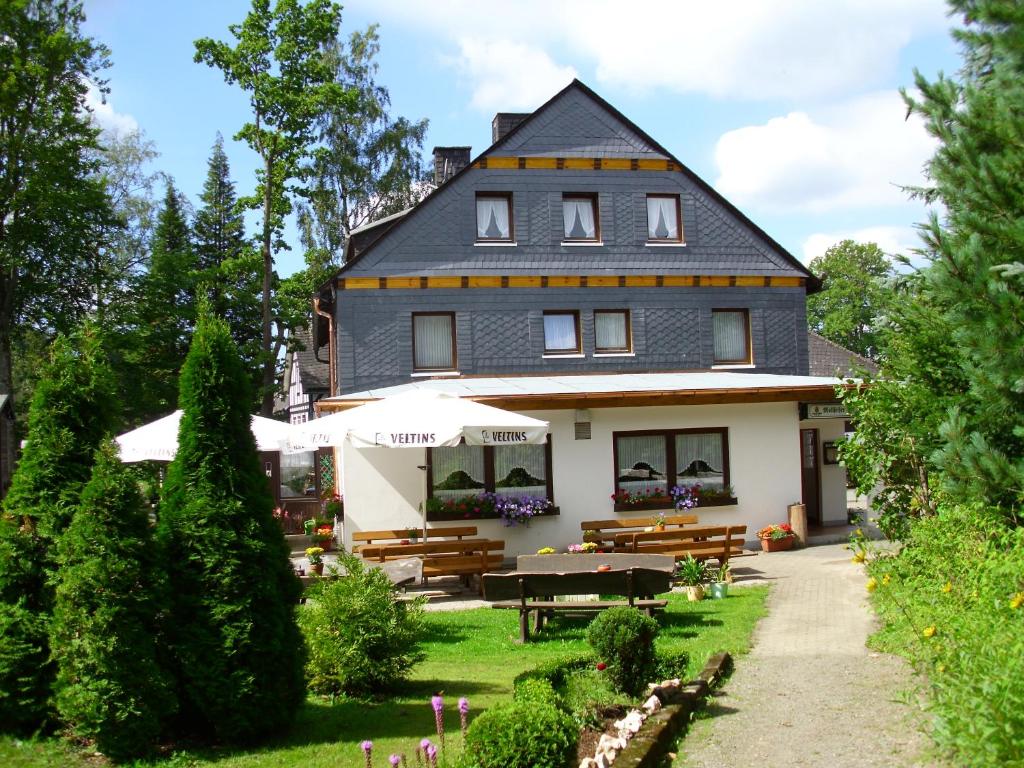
point(315, 374)
point(634, 134)
point(826, 358)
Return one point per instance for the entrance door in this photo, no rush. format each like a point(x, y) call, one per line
point(810, 475)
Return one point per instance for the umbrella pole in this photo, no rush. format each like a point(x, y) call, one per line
point(423, 504)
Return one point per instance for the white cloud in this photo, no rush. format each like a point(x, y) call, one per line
point(892, 240)
point(509, 76)
point(856, 154)
point(751, 49)
point(109, 119)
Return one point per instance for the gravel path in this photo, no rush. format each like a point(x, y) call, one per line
point(809, 693)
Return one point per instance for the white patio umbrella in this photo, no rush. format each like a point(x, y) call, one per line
point(420, 419)
point(158, 440)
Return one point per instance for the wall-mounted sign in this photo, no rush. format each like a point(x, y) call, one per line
point(826, 411)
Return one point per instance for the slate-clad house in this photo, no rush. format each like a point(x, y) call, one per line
point(578, 272)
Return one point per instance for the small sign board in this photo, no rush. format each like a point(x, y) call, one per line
point(826, 411)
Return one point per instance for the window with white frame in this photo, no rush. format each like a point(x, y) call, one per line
point(612, 331)
point(494, 217)
point(663, 220)
point(562, 332)
point(731, 330)
point(433, 341)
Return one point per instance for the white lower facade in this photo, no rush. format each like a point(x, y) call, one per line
point(384, 488)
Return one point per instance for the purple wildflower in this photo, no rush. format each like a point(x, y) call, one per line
point(394, 760)
point(424, 743)
point(463, 714)
point(432, 756)
point(367, 747)
point(438, 704)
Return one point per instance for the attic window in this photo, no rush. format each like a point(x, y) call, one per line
point(579, 213)
point(494, 217)
point(663, 219)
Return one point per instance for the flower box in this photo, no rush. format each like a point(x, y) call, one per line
point(438, 516)
point(667, 505)
point(777, 545)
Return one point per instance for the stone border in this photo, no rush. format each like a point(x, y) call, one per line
point(656, 735)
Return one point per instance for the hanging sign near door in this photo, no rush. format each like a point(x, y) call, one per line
point(826, 411)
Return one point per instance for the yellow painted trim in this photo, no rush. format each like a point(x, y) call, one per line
point(677, 281)
point(541, 163)
point(641, 281)
point(502, 162)
point(715, 281)
point(602, 281)
point(564, 281)
point(485, 282)
point(579, 164)
point(402, 282)
point(444, 282)
point(787, 282)
point(652, 165)
point(358, 283)
point(523, 281)
point(747, 281)
point(616, 164)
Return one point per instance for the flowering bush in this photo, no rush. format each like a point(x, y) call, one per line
point(546, 551)
point(586, 548)
point(680, 496)
point(775, 532)
point(333, 504)
point(511, 509)
point(514, 511)
point(636, 498)
point(315, 555)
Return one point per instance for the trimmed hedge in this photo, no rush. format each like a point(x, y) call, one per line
point(623, 638)
point(522, 735)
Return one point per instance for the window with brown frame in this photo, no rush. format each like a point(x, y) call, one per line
point(494, 217)
point(562, 332)
point(433, 341)
point(731, 331)
point(612, 332)
point(579, 215)
point(504, 470)
point(664, 219)
point(651, 462)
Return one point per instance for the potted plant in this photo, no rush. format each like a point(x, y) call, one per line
point(546, 551)
point(413, 534)
point(334, 505)
point(691, 574)
point(719, 588)
point(659, 521)
point(586, 548)
point(776, 538)
point(308, 526)
point(316, 560)
point(323, 536)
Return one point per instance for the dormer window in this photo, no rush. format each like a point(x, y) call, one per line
point(579, 213)
point(494, 217)
point(663, 225)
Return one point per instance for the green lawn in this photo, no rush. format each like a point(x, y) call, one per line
point(468, 653)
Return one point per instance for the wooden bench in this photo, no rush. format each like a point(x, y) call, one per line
point(534, 592)
point(401, 534)
point(606, 530)
point(721, 542)
point(454, 557)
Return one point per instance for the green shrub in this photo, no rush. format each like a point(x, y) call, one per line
point(953, 603)
point(522, 735)
point(236, 649)
point(360, 637)
point(623, 638)
point(25, 671)
point(556, 671)
point(534, 691)
point(109, 686)
point(669, 667)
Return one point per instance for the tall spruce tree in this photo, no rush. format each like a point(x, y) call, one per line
point(977, 272)
point(237, 651)
point(110, 594)
point(229, 267)
point(71, 413)
point(167, 310)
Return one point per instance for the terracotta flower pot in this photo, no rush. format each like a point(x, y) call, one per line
point(318, 569)
point(777, 545)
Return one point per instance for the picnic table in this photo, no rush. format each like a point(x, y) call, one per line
point(449, 557)
point(540, 579)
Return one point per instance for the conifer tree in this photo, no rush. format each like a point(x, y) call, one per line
point(230, 269)
point(167, 310)
point(237, 651)
point(71, 412)
point(977, 272)
point(110, 687)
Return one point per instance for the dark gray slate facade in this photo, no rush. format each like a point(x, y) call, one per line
point(500, 331)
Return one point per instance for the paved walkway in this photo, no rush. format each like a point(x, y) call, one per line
point(809, 693)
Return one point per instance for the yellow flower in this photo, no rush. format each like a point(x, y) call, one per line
point(948, 587)
point(1017, 601)
point(940, 668)
point(872, 584)
point(859, 557)
point(886, 579)
point(858, 532)
point(929, 631)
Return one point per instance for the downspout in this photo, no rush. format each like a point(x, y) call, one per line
point(332, 371)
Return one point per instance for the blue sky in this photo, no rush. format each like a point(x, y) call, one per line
point(790, 108)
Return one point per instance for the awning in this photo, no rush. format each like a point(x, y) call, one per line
point(158, 440)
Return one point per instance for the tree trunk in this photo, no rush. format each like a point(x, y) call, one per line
point(269, 368)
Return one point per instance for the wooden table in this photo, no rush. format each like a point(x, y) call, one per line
point(453, 557)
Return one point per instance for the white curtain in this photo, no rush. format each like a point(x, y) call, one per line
point(560, 333)
point(661, 218)
point(642, 463)
point(520, 470)
point(579, 219)
point(492, 218)
point(699, 459)
point(457, 471)
point(433, 338)
point(730, 331)
point(610, 331)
